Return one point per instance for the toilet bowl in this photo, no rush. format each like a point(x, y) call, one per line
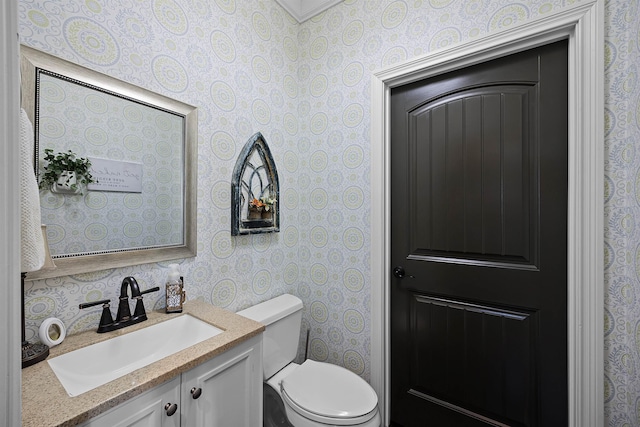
point(313, 394)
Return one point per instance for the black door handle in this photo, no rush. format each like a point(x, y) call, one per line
point(400, 273)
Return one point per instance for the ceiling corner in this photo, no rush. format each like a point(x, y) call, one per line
point(303, 10)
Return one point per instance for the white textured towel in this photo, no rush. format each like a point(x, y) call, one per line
point(32, 240)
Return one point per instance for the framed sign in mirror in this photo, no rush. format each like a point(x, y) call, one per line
point(142, 146)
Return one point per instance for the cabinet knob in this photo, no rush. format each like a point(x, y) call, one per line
point(196, 392)
point(171, 408)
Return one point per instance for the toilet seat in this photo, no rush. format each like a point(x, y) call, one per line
point(329, 394)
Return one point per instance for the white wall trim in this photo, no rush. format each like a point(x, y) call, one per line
point(10, 332)
point(304, 10)
point(583, 25)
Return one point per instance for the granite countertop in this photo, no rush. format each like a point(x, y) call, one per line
point(46, 403)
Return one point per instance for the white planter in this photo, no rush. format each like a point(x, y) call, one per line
point(66, 184)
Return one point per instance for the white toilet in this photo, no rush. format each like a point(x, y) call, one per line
point(315, 394)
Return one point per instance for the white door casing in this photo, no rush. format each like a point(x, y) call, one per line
point(10, 353)
point(10, 303)
point(583, 25)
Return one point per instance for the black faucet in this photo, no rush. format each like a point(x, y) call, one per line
point(124, 317)
point(124, 314)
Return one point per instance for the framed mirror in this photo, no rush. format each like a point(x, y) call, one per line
point(143, 152)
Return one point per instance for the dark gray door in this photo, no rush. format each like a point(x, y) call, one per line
point(479, 245)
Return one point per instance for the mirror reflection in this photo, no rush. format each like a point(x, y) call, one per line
point(136, 161)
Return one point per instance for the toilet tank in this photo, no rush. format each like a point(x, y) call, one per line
point(282, 317)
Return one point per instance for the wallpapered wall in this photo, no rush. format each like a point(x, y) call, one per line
point(249, 67)
point(622, 214)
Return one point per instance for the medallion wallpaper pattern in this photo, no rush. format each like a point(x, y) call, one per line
point(248, 67)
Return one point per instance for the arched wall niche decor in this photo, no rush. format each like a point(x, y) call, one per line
point(255, 190)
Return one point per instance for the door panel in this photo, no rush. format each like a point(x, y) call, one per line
point(459, 349)
point(479, 223)
point(471, 156)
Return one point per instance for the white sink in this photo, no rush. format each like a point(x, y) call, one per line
point(89, 367)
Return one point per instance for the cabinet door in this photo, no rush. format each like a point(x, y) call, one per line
point(145, 410)
point(225, 391)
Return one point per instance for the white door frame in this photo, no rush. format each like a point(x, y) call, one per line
point(10, 303)
point(583, 25)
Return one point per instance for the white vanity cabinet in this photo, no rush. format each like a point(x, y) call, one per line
point(226, 391)
point(145, 410)
point(222, 392)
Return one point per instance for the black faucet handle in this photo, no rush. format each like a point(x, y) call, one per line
point(156, 289)
point(94, 303)
point(106, 319)
point(139, 310)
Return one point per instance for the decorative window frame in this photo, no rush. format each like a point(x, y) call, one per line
point(249, 177)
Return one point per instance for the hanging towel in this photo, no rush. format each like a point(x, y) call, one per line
point(31, 238)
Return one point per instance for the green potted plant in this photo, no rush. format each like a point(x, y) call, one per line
point(64, 172)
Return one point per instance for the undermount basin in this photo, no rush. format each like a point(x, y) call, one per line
point(89, 367)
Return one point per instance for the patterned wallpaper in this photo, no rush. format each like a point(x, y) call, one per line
point(622, 214)
point(250, 67)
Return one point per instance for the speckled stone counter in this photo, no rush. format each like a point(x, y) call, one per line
point(46, 403)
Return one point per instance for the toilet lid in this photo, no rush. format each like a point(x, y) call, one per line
point(329, 391)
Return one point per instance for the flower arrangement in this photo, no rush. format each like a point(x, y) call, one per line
point(261, 208)
point(256, 203)
point(266, 203)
